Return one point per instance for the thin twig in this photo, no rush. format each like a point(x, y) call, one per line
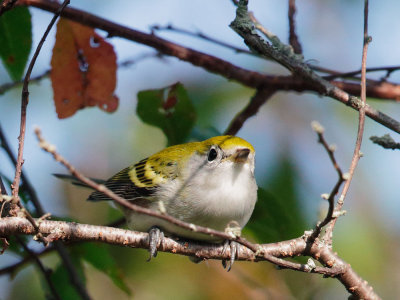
point(293, 39)
point(25, 100)
point(260, 97)
point(341, 178)
point(203, 36)
point(389, 70)
point(361, 122)
point(25, 182)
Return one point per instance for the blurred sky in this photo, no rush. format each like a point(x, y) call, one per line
point(330, 32)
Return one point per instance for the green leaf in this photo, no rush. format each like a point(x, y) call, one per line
point(100, 258)
point(61, 280)
point(169, 109)
point(277, 215)
point(15, 40)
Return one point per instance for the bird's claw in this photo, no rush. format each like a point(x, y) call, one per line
point(155, 237)
point(234, 252)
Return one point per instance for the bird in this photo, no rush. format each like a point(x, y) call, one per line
point(209, 183)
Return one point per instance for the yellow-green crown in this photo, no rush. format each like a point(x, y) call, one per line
point(180, 152)
point(227, 142)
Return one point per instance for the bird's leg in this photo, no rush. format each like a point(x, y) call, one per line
point(233, 228)
point(234, 252)
point(155, 237)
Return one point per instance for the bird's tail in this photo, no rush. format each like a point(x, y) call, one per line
point(75, 181)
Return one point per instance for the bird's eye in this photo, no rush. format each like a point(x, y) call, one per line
point(212, 154)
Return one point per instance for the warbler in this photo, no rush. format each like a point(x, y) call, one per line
point(209, 183)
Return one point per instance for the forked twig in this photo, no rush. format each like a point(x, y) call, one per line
point(330, 149)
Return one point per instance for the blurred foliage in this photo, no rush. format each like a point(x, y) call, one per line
point(15, 40)
point(98, 256)
point(169, 109)
point(368, 236)
point(61, 281)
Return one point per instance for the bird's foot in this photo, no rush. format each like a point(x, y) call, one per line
point(233, 228)
point(234, 252)
point(155, 238)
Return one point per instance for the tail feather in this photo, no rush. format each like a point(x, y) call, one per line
point(75, 181)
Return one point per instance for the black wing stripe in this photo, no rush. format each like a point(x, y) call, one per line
point(122, 185)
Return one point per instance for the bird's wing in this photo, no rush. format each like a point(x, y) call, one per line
point(122, 185)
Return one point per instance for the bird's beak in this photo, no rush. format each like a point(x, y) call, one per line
point(241, 155)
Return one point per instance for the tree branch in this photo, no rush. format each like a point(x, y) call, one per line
point(68, 231)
